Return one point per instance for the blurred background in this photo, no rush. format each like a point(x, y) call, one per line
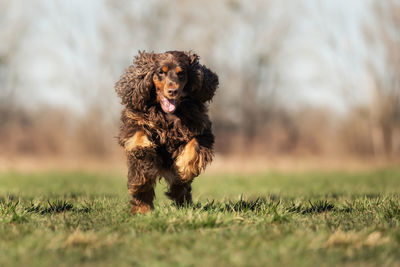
point(301, 82)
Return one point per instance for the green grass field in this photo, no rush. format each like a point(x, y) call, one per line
point(298, 219)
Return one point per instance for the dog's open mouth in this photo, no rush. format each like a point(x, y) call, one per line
point(168, 105)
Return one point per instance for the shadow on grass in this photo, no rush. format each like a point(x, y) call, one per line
point(318, 206)
point(241, 205)
point(262, 204)
point(56, 206)
point(60, 204)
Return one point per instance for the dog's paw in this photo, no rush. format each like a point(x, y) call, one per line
point(140, 209)
point(189, 163)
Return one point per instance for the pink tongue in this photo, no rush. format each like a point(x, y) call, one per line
point(168, 105)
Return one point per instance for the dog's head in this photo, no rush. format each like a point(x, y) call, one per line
point(166, 79)
point(170, 79)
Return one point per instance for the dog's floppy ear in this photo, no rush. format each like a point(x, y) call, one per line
point(202, 81)
point(135, 85)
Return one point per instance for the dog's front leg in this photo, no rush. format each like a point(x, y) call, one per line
point(142, 176)
point(143, 163)
point(192, 160)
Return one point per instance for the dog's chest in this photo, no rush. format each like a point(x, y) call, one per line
point(172, 132)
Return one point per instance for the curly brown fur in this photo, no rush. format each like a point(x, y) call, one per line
point(165, 129)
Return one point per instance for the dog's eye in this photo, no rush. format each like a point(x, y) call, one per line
point(181, 75)
point(160, 71)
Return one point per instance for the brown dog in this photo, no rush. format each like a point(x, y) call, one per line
point(165, 129)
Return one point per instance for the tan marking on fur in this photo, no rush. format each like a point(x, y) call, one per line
point(178, 69)
point(159, 84)
point(164, 69)
point(189, 162)
point(139, 139)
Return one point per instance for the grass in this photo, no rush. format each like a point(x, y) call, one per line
point(299, 219)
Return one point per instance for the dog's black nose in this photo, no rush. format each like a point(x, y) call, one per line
point(172, 92)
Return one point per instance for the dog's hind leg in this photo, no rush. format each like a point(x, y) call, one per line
point(179, 192)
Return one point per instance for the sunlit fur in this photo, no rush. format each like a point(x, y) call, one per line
point(176, 146)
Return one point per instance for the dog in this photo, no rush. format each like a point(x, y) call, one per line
point(165, 128)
